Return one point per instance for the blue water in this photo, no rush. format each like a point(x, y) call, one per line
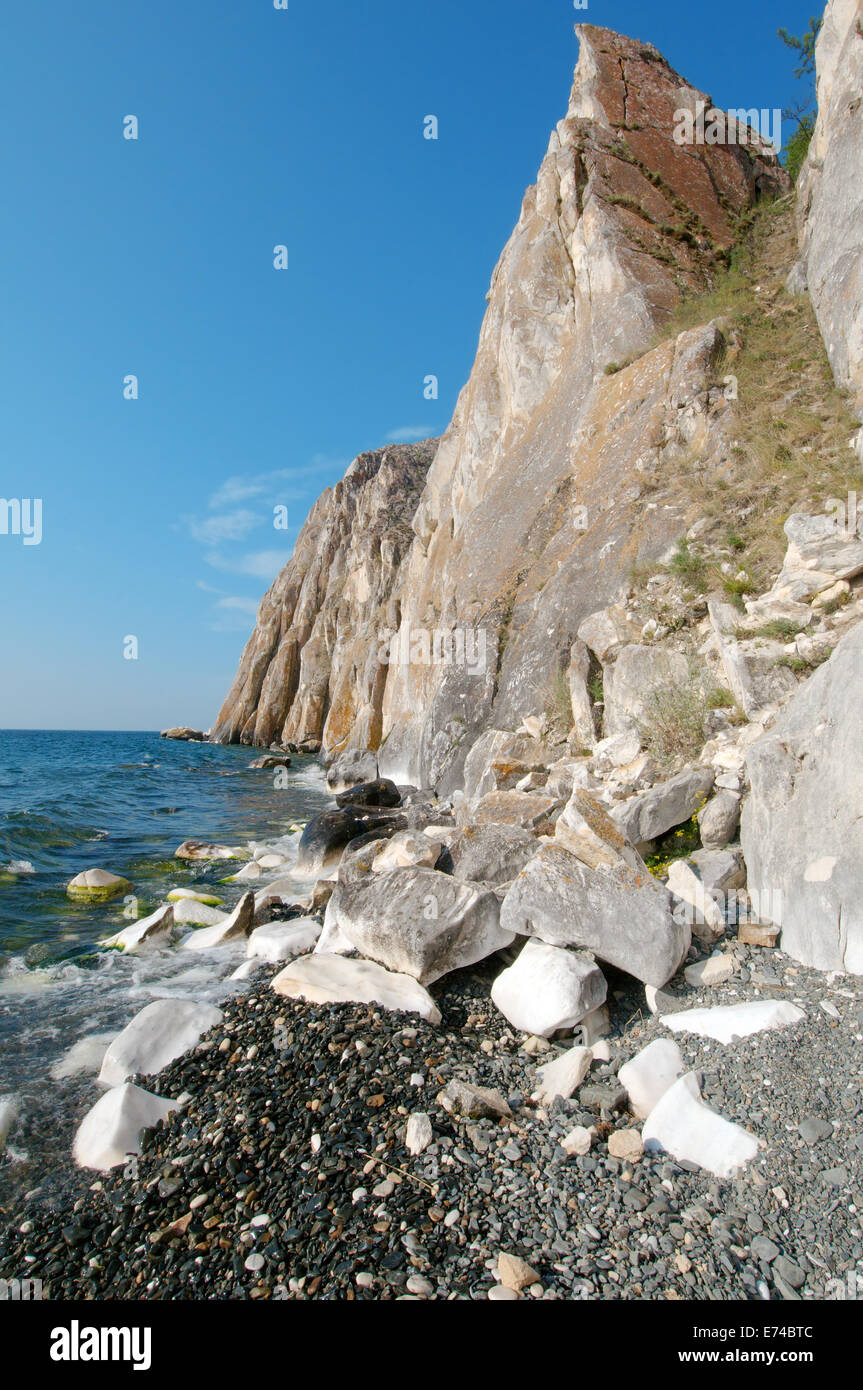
point(123, 802)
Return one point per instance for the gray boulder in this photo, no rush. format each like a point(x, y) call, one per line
point(417, 921)
point(637, 674)
point(651, 813)
point(326, 836)
point(352, 770)
point(623, 915)
point(802, 826)
point(719, 820)
point(488, 853)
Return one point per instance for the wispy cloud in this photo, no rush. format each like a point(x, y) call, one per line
point(242, 605)
point(262, 564)
point(408, 433)
point(229, 526)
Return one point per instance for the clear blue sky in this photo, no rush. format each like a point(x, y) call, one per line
point(154, 257)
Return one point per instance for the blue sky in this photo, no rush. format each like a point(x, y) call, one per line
point(257, 387)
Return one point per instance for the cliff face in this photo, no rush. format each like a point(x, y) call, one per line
point(544, 492)
point(830, 207)
point(310, 669)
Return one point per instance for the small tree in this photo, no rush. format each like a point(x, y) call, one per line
point(802, 113)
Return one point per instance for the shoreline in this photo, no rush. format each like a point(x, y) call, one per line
point(346, 1219)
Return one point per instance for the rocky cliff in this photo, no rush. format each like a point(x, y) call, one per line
point(310, 671)
point(830, 206)
point(540, 498)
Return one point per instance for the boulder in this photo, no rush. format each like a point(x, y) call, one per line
point(97, 886)
point(158, 927)
point(249, 873)
point(562, 1077)
point(715, 970)
point(322, 979)
point(190, 913)
point(750, 665)
point(487, 853)
point(620, 750)
point(327, 835)
point(802, 827)
point(111, 1131)
point(284, 940)
point(650, 814)
point(731, 1021)
point(525, 810)
point(353, 769)
point(638, 673)
point(203, 850)
point(161, 1032)
point(607, 632)
point(719, 819)
point(548, 988)
point(567, 774)
point(821, 544)
point(184, 735)
point(623, 915)
point(584, 731)
point(650, 1074)
point(269, 761)
point(417, 921)
point(683, 1126)
point(240, 923)
point(586, 829)
point(83, 1058)
point(196, 895)
point(492, 750)
point(407, 850)
point(381, 792)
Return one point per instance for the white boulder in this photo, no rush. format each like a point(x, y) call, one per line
point(683, 1126)
point(548, 988)
point(650, 1074)
point(110, 1132)
point(731, 1021)
point(563, 1076)
point(333, 980)
point(158, 927)
point(284, 940)
point(161, 1032)
point(239, 923)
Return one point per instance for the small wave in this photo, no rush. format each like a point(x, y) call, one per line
point(18, 866)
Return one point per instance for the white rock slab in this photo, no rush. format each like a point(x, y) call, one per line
point(111, 1130)
point(408, 849)
point(735, 1020)
point(239, 923)
point(562, 1076)
point(548, 988)
point(284, 940)
point(161, 1032)
point(178, 895)
point(247, 968)
point(704, 974)
point(650, 1074)
point(191, 913)
point(251, 871)
point(333, 979)
point(157, 928)
point(683, 1126)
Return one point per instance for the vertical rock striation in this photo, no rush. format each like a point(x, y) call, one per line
point(830, 205)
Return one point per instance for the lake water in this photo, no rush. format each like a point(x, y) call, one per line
point(123, 802)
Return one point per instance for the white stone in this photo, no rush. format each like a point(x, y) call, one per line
point(158, 927)
point(548, 988)
point(332, 979)
point(563, 1076)
point(284, 940)
point(418, 1134)
point(406, 850)
point(272, 861)
point(161, 1032)
point(713, 971)
point(191, 913)
point(735, 1020)
point(178, 895)
point(238, 924)
point(578, 1141)
point(111, 1130)
point(248, 873)
point(683, 1126)
point(97, 885)
point(650, 1074)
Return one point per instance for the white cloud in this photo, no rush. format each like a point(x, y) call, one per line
point(242, 605)
point(262, 564)
point(409, 433)
point(230, 526)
